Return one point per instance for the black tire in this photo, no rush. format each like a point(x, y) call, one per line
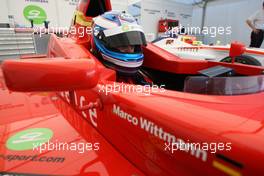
point(243, 59)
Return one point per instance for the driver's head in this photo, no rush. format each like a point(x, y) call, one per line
point(119, 39)
point(126, 49)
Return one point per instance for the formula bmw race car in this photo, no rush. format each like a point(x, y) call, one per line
point(192, 49)
point(68, 114)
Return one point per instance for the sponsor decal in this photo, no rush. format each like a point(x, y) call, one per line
point(24, 140)
point(35, 13)
point(90, 114)
point(33, 158)
point(125, 28)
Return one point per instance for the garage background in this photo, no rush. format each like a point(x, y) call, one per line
point(189, 12)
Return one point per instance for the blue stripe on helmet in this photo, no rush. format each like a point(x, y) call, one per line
point(135, 57)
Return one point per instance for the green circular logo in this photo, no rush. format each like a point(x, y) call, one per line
point(29, 139)
point(35, 13)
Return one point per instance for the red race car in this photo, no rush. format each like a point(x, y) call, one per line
point(189, 117)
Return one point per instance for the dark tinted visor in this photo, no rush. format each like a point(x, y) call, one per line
point(125, 39)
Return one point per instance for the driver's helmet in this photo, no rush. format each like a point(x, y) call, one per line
point(118, 38)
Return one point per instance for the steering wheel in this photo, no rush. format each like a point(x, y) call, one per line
point(243, 59)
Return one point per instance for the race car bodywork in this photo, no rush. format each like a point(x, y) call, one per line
point(35, 113)
point(139, 128)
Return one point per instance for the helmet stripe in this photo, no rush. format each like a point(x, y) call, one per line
point(122, 29)
point(123, 63)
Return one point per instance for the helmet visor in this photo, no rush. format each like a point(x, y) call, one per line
point(131, 38)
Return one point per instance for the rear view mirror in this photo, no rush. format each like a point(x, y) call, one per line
point(236, 49)
point(56, 74)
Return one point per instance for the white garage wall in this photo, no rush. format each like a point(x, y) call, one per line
point(154, 10)
point(228, 13)
point(65, 11)
point(4, 12)
point(197, 16)
point(119, 5)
